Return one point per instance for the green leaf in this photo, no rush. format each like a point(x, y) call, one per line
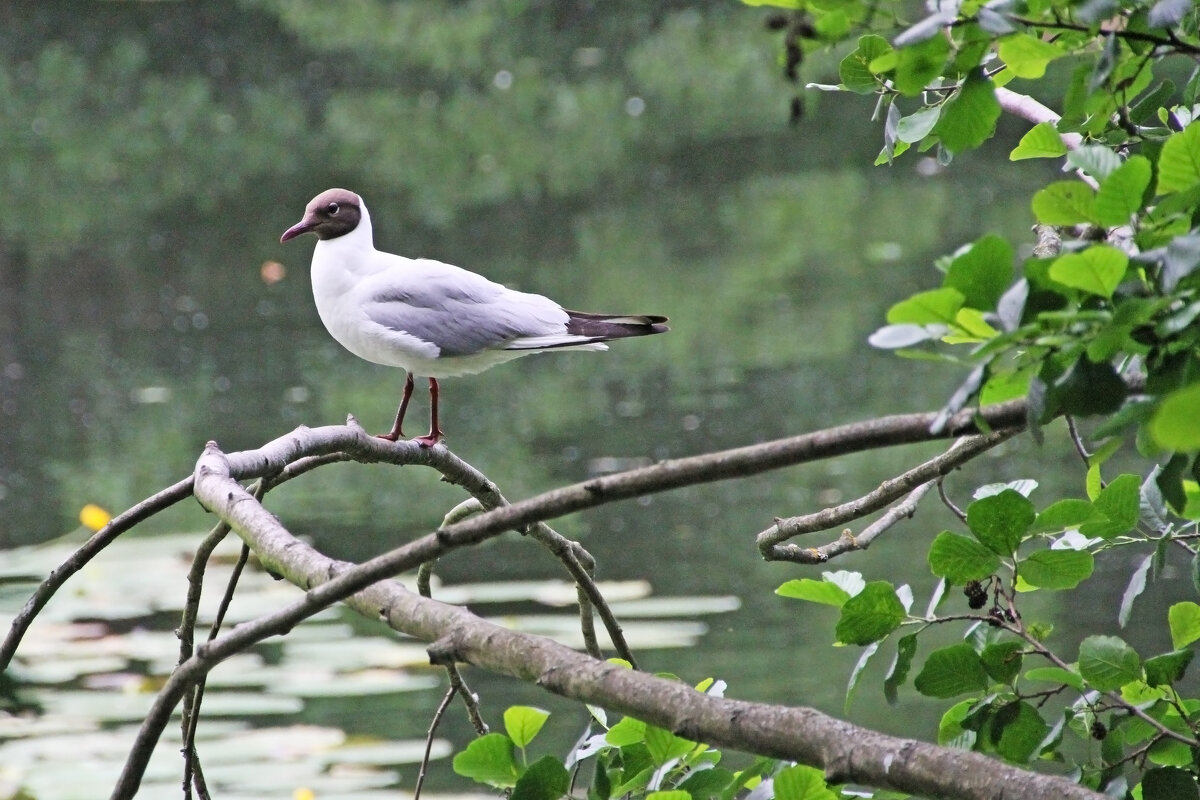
point(981, 272)
point(1057, 569)
point(1184, 622)
point(906, 648)
point(854, 71)
point(1179, 162)
point(1002, 660)
point(547, 779)
point(1107, 663)
point(1171, 753)
point(670, 794)
point(1021, 729)
point(824, 592)
point(707, 783)
point(1096, 270)
point(951, 732)
point(1120, 195)
point(937, 306)
point(1041, 141)
point(802, 783)
point(601, 788)
point(750, 777)
point(1027, 56)
point(1056, 675)
point(639, 780)
point(1096, 160)
point(918, 64)
point(664, 745)
point(959, 559)
point(870, 615)
point(1120, 503)
point(1088, 387)
point(1065, 514)
point(1065, 203)
point(969, 117)
point(1176, 423)
point(917, 126)
point(1169, 783)
point(489, 759)
point(522, 723)
point(1165, 669)
point(626, 732)
point(1001, 520)
point(951, 671)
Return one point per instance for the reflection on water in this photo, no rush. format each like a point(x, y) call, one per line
point(89, 669)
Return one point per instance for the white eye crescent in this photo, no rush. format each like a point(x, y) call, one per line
point(332, 209)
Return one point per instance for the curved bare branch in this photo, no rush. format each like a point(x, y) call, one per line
point(770, 541)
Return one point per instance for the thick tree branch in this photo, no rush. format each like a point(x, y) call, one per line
point(846, 752)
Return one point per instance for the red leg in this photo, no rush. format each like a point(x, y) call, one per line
point(435, 433)
point(395, 433)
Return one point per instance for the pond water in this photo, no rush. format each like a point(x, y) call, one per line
point(146, 307)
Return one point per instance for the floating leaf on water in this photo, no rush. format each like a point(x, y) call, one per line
point(383, 753)
point(551, 593)
point(676, 606)
point(351, 684)
point(364, 653)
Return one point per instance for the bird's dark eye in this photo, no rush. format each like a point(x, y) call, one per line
point(332, 209)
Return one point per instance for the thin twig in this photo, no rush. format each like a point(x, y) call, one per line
point(848, 542)
point(461, 511)
point(962, 451)
point(193, 719)
point(1077, 440)
point(587, 624)
point(580, 563)
point(433, 725)
point(469, 698)
point(948, 503)
point(80, 558)
point(187, 635)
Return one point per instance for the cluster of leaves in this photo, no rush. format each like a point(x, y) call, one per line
point(1103, 321)
point(1024, 697)
point(1096, 329)
point(628, 759)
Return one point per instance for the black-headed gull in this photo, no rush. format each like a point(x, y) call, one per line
point(429, 318)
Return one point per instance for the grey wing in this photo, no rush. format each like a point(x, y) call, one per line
point(462, 313)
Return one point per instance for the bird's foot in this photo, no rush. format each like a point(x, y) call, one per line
point(391, 436)
point(429, 439)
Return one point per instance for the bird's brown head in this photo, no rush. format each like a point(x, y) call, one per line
point(332, 213)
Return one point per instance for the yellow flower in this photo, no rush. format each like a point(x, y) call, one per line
point(94, 517)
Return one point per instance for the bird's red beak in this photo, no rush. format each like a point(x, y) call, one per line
point(303, 226)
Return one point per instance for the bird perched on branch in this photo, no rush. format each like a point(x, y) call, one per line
point(433, 319)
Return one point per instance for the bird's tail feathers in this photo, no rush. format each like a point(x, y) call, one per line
point(601, 327)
